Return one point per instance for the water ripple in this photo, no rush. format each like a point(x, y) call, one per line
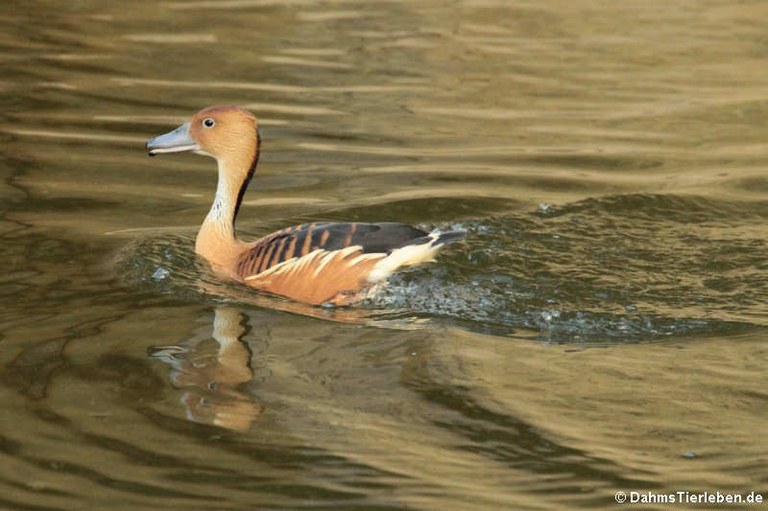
point(581, 272)
point(621, 268)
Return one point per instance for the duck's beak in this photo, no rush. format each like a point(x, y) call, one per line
point(175, 141)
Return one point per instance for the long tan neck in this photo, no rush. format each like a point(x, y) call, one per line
point(217, 240)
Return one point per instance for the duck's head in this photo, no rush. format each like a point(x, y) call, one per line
point(223, 132)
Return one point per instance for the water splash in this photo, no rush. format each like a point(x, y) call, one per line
point(613, 269)
point(621, 268)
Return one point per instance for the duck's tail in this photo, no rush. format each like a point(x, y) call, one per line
point(420, 250)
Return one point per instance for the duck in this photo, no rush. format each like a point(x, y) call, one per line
point(318, 263)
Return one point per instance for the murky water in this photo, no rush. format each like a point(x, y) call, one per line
point(602, 329)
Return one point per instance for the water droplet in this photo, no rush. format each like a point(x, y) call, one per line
point(160, 273)
point(550, 315)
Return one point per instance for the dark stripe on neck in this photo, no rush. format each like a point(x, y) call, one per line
point(248, 177)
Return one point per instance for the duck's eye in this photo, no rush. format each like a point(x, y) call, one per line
point(209, 123)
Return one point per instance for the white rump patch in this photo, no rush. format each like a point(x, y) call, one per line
point(408, 255)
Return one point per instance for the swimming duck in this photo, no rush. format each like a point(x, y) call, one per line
point(316, 263)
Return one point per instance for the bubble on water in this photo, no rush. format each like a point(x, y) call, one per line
point(160, 274)
point(550, 315)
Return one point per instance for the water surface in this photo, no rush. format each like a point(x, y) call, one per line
point(602, 329)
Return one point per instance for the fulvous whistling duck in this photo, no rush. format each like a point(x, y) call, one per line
point(317, 263)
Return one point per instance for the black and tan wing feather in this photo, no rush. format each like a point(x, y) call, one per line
point(334, 262)
point(300, 240)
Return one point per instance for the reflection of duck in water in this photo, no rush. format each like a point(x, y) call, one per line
point(314, 263)
point(212, 382)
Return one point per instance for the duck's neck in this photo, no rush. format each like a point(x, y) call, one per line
point(217, 239)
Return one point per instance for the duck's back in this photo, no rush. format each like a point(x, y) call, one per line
point(330, 261)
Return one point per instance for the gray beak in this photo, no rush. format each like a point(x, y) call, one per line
point(175, 141)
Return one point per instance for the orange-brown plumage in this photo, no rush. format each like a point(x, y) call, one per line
point(314, 263)
point(320, 277)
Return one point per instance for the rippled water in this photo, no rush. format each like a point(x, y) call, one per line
point(602, 328)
